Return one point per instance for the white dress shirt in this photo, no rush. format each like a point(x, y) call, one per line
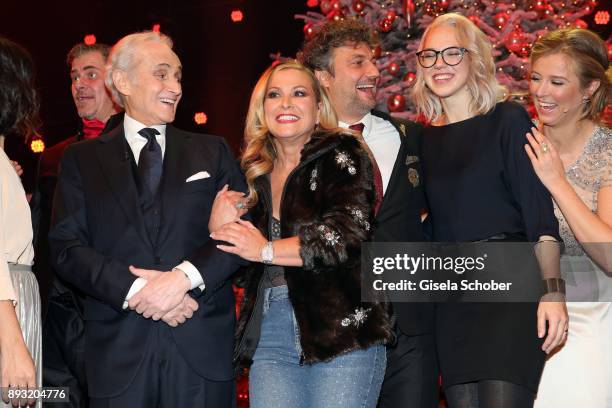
point(131, 127)
point(384, 142)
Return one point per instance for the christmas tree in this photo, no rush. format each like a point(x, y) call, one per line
point(512, 26)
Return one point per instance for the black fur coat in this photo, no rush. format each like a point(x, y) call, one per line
point(328, 203)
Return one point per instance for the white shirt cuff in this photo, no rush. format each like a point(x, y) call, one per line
point(138, 284)
point(193, 274)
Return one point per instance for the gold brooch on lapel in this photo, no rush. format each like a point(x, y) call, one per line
point(411, 159)
point(413, 177)
point(403, 129)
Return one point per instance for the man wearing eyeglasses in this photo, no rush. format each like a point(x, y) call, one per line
point(341, 56)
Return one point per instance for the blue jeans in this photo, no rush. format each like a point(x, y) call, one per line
point(277, 380)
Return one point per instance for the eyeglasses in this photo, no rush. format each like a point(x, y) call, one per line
point(451, 56)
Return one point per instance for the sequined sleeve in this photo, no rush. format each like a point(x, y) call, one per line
point(345, 175)
point(591, 171)
point(606, 177)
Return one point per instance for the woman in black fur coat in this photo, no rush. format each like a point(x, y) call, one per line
point(303, 329)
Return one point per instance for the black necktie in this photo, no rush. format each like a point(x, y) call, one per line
point(150, 163)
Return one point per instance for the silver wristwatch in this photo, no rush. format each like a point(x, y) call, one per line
point(267, 253)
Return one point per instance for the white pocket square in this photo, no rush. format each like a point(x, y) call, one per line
point(198, 176)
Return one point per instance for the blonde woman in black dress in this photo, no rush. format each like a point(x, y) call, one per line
point(480, 186)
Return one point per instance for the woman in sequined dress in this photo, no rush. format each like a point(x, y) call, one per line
point(570, 86)
point(308, 338)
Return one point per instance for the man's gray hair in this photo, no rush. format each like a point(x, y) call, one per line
point(123, 54)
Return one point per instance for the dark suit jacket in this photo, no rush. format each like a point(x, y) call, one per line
point(42, 205)
point(98, 231)
point(399, 216)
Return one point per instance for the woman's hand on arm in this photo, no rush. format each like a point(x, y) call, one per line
point(17, 167)
point(224, 208)
point(247, 242)
point(587, 227)
point(545, 159)
point(18, 370)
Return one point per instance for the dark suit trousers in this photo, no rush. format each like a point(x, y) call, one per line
point(64, 350)
point(411, 379)
point(165, 380)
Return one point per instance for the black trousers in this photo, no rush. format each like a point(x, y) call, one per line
point(165, 380)
point(411, 379)
point(63, 347)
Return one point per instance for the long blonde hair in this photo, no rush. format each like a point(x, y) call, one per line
point(481, 83)
point(259, 153)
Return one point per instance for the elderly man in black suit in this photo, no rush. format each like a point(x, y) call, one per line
point(131, 232)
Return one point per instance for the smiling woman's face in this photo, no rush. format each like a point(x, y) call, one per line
point(555, 89)
point(290, 106)
point(442, 79)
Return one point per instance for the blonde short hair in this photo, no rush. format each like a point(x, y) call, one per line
point(481, 83)
point(259, 152)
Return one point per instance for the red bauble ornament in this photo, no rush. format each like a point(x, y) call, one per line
point(592, 3)
point(358, 6)
point(580, 23)
point(546, 11)
point(409, 78)
point(335, 15)
point(396, 103)
point(408, 10)
point(516, 42)
point(525, 50)
point(540, 5)
point(394, 69)
point(377, 51)
point(391, 15)
point(308, 31)
point(312, 3)
point(336, 5)
point(326, 6)
point(443, 4)
point(386, 25)
point(500, 19)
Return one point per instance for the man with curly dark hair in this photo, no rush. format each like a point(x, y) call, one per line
point(340, 54)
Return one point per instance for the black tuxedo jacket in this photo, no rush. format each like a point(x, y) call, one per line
point(399, 216)
point(98, 231)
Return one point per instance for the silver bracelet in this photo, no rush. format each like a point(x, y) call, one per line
point(267, 253)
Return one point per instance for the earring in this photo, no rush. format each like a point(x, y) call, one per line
point(586, 100)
